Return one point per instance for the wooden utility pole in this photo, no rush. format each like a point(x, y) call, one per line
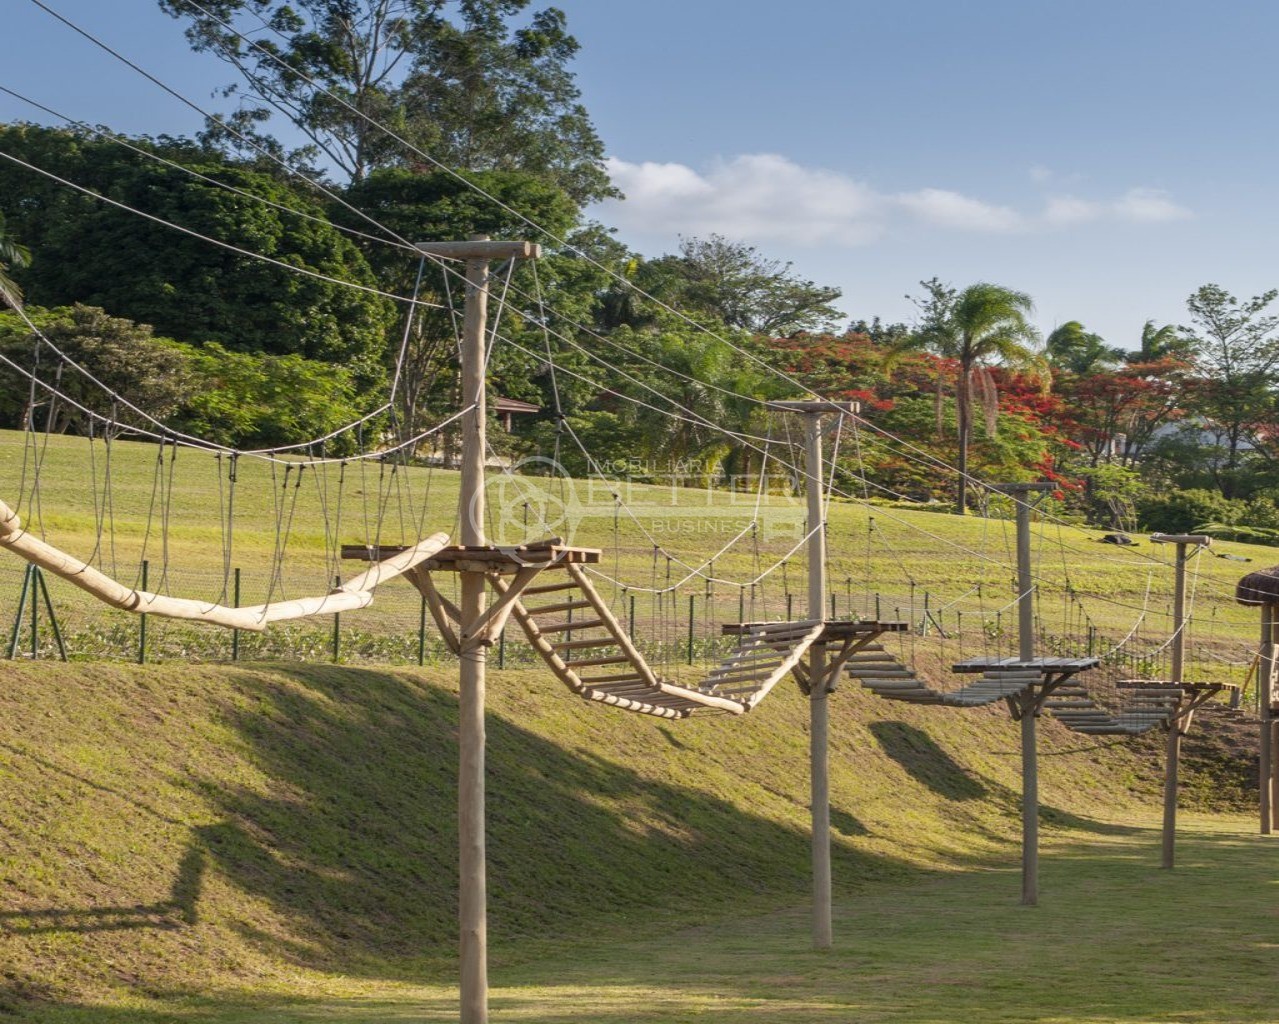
point(1265, 700)
point(818, 704)
point(472, 876)
point(1180, 723)
point(1020, 493)
point(1262, 588)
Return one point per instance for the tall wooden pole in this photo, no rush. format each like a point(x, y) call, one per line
point(1175, 727)
point(818, 702)
point(1028, 702)
point(1265, 673)
point(473, 898)
point(819, 705)
point(1029, 745)
point(472, 873)
point(1178, 727)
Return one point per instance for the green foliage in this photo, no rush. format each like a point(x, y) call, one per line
point(13, 255)
point(124, 356)
point(734, 284)
point(982, 323)
point(1236, 351)
point(1188, 510)
point(239, 399)
point(93, 253)
point(1070, 347)
point(1158, 343)
point(465, 82)
point(1112, 492)
point(437, 206)
point(256, 400)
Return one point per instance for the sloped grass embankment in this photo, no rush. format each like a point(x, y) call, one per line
point(201, 842)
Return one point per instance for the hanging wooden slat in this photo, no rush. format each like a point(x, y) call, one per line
point(354, 594)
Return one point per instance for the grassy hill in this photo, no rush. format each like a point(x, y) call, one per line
point(891, 560)
point(189, 843)
point(276, 842)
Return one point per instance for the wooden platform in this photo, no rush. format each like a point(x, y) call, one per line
point(882, 674)
point(490, 558)
point(1044, 666)
point(1194, 687)
point(1149, 704)
point(833, 629)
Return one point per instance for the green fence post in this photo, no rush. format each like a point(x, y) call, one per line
point(235, 633)
point(421, 632)
point(35, 613)
point(142, 619)
point(691, 599)
point(53, 618)
point(22, 608)
point(337, 625)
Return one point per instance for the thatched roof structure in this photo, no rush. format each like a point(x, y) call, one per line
point(1260, 587)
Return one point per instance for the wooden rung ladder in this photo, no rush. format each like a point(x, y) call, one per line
point(992, 686)
point(621, 677)
point(766, 652)
point(882, 674)
point(1139, 714)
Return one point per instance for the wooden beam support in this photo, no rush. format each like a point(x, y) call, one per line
point(443, 611)
point(355, 593)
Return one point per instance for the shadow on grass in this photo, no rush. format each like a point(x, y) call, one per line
point(181, 908)
point(357, 844)
point(925, 761)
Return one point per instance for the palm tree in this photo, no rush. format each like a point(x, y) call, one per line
point(984, 323)
point(1159, 343)
point(11, 255)
point(1070, 347)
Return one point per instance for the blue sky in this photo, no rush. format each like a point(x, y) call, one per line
point(1107, 158)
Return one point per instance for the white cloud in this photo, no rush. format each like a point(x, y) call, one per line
point(1137, 205)
point(1072, 210)
point(759, 195)
point(947, 209)
point(1149, 206)
point(769, 197)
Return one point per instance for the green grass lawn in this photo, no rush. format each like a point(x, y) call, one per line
point(277, 843)
point(253, 843)
point(889, 562)
point(1114, 940)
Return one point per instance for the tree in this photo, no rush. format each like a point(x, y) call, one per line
point(1159, 343)
point(435, 206)
point(1070, 347)
point(981, 324)
point(89, 251)
point(734, 284)
point(1132, 402)
point(1236, 351)
point(454, 79)
point(12, 255)
point(253, 400)
point(124, 356)
point(484, 98)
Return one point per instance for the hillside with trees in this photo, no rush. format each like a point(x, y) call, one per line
point(1174, 430)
